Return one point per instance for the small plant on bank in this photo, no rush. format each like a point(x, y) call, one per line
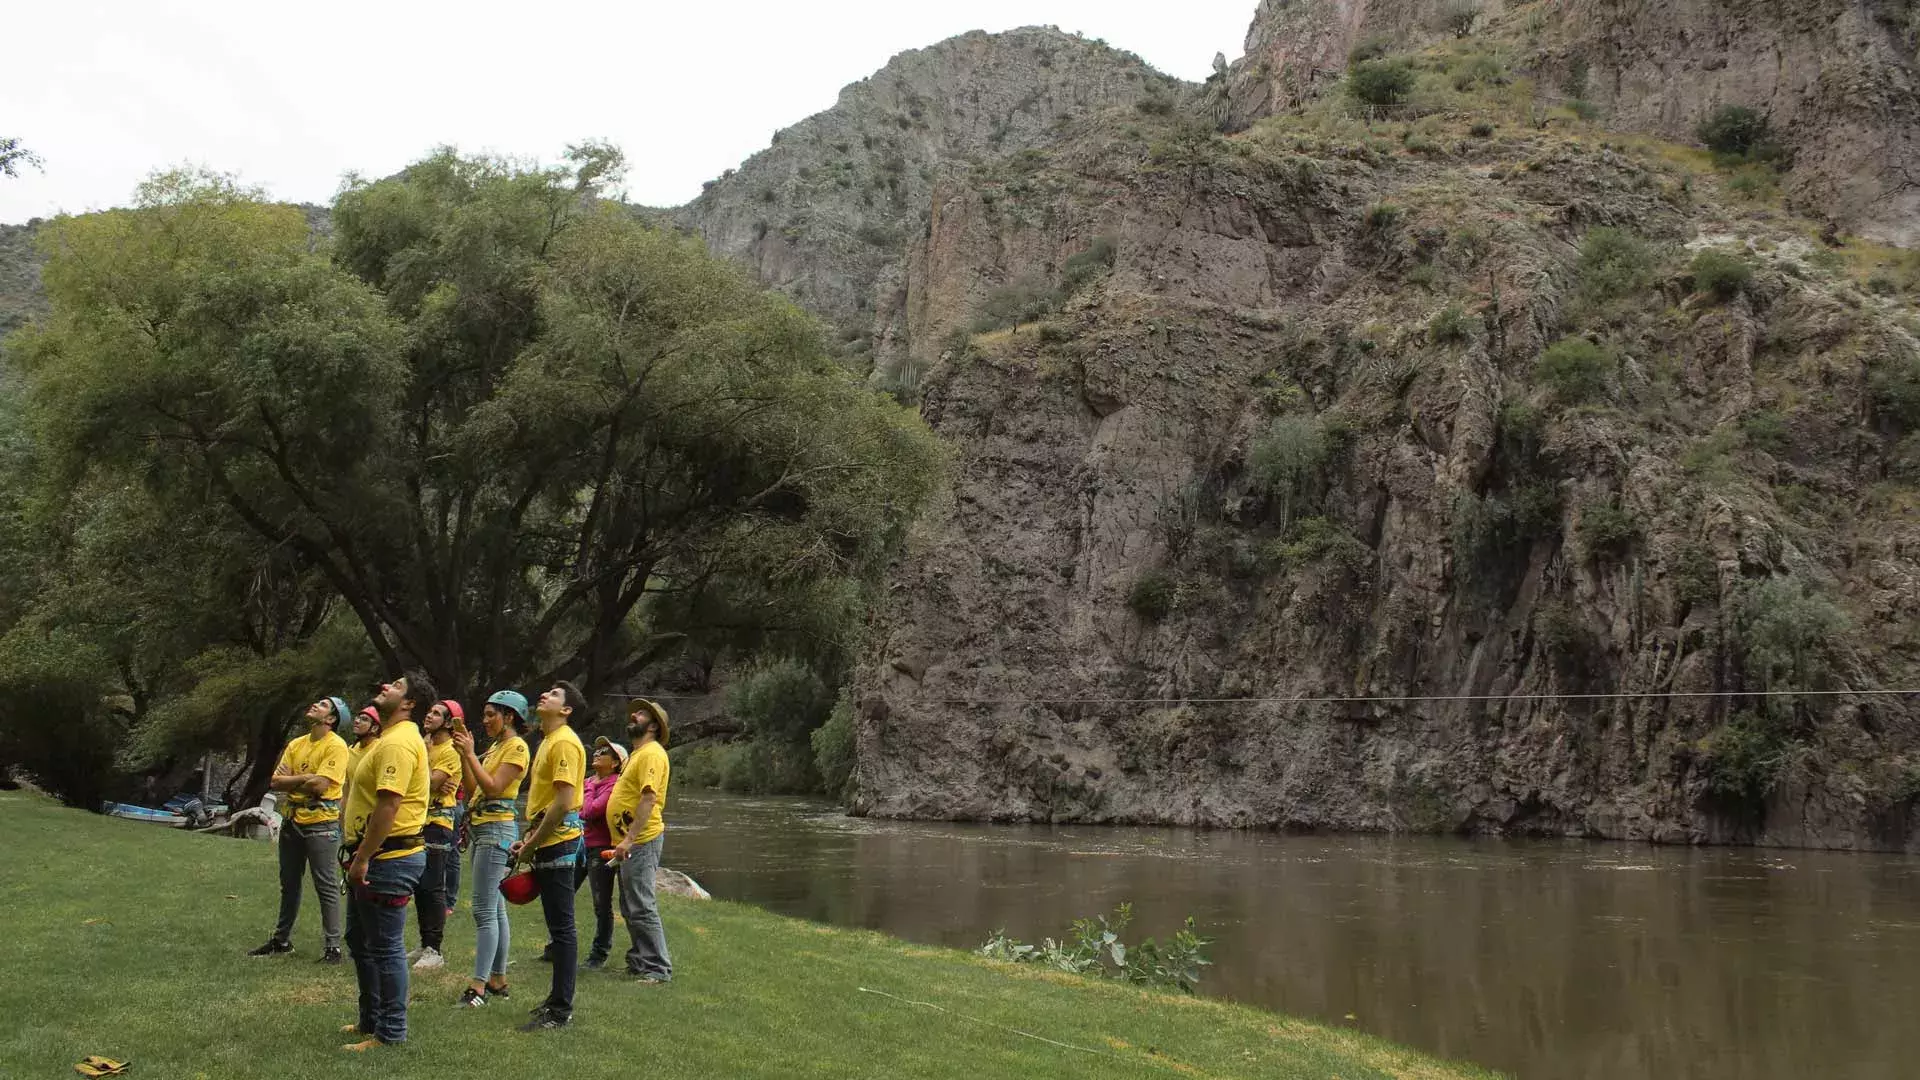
point(1720, 274)
point(1094, 947)
point(1575, 370)
point(1286, 461)
point(1151, 596)
point(1481, 130)
point(1614, 264)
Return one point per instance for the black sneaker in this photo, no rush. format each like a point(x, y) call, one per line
point(498, 991)
point(272, 948)
point(546, 954)
point(331, 956)
point(595, 963)
point(471, 999)
point(546, 1020)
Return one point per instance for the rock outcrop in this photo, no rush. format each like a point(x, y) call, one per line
point(1838, 80)
point(826, 214)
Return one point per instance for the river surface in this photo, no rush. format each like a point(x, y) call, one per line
point(1543, 959)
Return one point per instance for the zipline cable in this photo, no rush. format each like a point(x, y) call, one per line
point(1349, 699)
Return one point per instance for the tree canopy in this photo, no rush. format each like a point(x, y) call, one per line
point(500, 426)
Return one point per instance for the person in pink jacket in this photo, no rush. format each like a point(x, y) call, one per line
point(608, 759)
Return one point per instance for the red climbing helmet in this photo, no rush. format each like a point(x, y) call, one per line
point(520, 888)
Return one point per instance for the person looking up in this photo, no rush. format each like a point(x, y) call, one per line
point(491, 830)
point(553, 816)
point(309, 776)
point(609, 758)
point(430, 896)
point(385, 852)
point(634, 813)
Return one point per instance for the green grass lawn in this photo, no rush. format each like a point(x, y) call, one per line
point(126, 940)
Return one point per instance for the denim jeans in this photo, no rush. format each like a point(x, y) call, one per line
point(648, 956)
point(491, 932)
point(431, 894)
point(453, 858)
point(604, 876)
point(554, 867)
point(376, 936)
point(316, 847)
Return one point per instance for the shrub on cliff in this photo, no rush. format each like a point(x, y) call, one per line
point(833, 749)
point(1286, 461)
point(1381, 82)
point(1615, 263)
point(1151, 596)
point(1737, 132)
point(1574, 370)
point(1722, 275)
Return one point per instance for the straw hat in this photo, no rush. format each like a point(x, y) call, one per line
point(654, 708)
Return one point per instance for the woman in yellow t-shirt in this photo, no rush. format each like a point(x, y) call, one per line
point(491, 830)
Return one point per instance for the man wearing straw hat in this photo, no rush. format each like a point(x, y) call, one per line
point(308, 777)
point(634, 814)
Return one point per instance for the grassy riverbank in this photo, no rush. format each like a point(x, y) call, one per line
point(125, 940)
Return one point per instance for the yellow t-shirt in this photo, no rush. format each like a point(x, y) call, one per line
point(507, 750)
point(443, 757)
point(647, 769)
point(561, 760)
point(354, 753)
point(397, 762)
point(308, 756)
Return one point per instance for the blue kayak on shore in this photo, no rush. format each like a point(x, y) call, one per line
point(141, 813)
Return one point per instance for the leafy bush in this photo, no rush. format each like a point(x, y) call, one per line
point(1567, 642)
point(1608, 531)
point(1372, 48)
point(1725, 276)
point(1481, 130)
point(833, 749)
point(1490, 533)
point(1615, 263)
point(1584, 109)
point(1785, 629)
point(1734, 131)
point(749, 767)
point(1753, 182)
point(1286, 461)
point(1084, 266)
point(1744, 756)
point(1094, 947)
point(1450, 324)
point(1575, 370)
point(783, 700)
point(1151, 596)
point(1381, 82)
point(1020, 301)
point(1696, 578)
point(1316, 539)
point(1765, 429)
point(1458, 17)
point(1893, 385)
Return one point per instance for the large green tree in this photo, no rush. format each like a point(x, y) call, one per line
point(515, 432)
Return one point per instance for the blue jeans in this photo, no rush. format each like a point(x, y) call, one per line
point(376, 936)
point(453, 859)
point(648, 956)
point(491, 932)
point(555, 867)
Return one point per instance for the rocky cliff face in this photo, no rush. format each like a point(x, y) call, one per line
point(1023, 677)
point(1837, 79)
point(826, 213)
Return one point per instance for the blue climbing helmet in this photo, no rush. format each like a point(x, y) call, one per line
point(511, 699)
point(343, 716)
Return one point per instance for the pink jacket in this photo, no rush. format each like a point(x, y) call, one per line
point(593, 811)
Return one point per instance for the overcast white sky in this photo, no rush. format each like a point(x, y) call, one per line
point(290, 97)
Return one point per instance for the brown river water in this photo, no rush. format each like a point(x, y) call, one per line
point(1543, 959)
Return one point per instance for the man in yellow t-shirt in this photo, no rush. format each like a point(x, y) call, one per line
point(443, 763)
point(386, 818)
point(553, 815)
point(308, 779)
point(634, 815)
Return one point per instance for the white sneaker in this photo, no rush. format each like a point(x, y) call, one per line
point(429, 959)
